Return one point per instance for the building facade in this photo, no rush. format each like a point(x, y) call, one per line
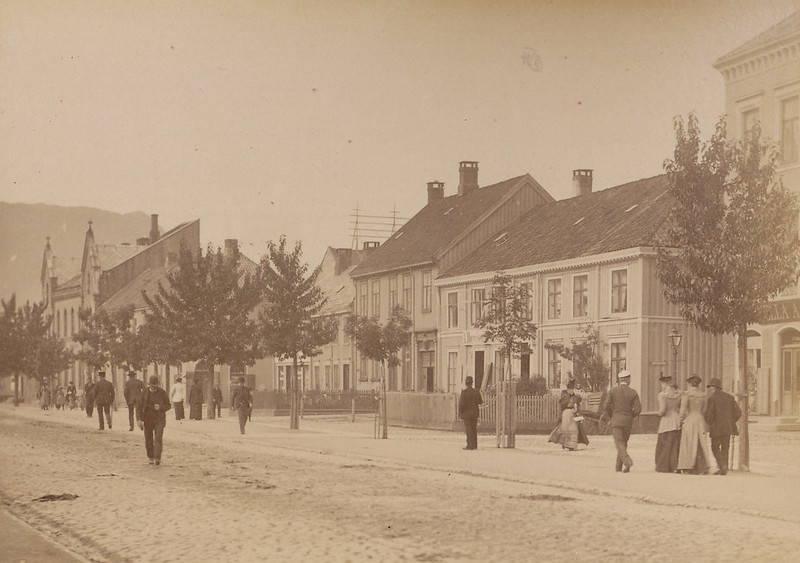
point(401, 272)
point(762, 84)
point(588, 261)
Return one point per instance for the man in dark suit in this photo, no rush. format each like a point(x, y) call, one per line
point(242, 402)
point(721, 414)
point(103, 398)
point(622, 406)
point(153, 406)
point(133, 390)
point(468, 410)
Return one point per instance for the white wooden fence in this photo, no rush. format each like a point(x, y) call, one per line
point(531, 409)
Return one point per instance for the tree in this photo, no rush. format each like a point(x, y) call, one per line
point(730, 244)
point(12, 346)
point(381, 344)
point(507, 322)
point(204, 311)
point(106, 338)
point(290, 324)
point(588, 368)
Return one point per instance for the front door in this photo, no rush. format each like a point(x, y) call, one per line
point(790, 382)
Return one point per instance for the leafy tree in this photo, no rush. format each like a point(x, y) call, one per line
point(507, 323)
point(381, 344)
point(204, 312)
point(106, 338)
point(588, 368)
point(730, 245)
point(290, 325)
point(12, 343)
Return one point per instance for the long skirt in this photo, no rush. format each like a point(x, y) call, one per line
point(667, 446)
point(196, 411)
point(694, 455)
point(569, 430)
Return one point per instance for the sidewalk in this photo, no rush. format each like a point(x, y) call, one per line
point(20, 543)
point(772, 488)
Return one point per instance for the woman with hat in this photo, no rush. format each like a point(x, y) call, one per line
point(694, 455)
point(669, 426)
point(568, 432)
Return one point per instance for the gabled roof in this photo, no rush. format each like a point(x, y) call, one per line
point(438, 225)
point(626, 216)
point(334, 279)
point(784, 29)
point(111, 255)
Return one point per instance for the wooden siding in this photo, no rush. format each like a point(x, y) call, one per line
point(522, 201)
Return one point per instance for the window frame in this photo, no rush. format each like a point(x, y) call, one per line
point(554, 298)
point(580, 296)
point(619, 292)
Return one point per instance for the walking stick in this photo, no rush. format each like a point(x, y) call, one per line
point(733, 449)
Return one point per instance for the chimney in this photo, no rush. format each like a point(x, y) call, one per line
point(154, 228)
point(582, 181)
point(231, 246)
point(435, 191)
point(467, 177)
point(371, 244)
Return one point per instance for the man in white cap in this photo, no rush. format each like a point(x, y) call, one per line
point(622, 406)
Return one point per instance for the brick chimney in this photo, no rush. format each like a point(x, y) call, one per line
point(231, 246)
point(154, 235)
point(582, 181)
point(467, 177)
point(435, 191)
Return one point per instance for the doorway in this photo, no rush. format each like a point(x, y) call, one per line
point(479, 367)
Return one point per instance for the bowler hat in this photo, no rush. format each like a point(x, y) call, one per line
point(715, 382)
point(663, 377)
point(693, 379)
point(101, 373)
point(153, 380)
point(131, 374)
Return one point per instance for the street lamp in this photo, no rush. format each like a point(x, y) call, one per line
point(675, 341)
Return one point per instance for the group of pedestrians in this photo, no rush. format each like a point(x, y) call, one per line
point(686, 419)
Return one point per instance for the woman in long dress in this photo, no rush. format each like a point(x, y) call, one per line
point(196, 401)
point(695, 454)
point(569, 434)
point(669, 426)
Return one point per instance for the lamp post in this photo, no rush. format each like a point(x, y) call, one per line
point(675, 342)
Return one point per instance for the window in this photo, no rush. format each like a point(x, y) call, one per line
point(328, 382)
point(553, 299)
point(426, 290)
point(362, 299)
point(407, 293)
point(525, 365)
point(527, 288)
point(618, 358)
point(553, 368)
point(749, 119)
point(477, 305)
point(376, 298)
point(452, 310)
point(336, 380)
point(452, 371)
point(392, 293)
point(580, 295)
point(790, 129)
point(619, 291)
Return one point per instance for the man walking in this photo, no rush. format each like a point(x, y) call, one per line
point(177, 395)
point(468, 410)
point(196, 400)
point(721, 414)
point(153, 406)
point(133, 391)
point(103, 398)
point(242, 402)
point(622, 406)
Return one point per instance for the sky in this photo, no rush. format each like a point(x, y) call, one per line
point(266, 118)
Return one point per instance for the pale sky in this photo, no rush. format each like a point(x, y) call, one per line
point(264, 118)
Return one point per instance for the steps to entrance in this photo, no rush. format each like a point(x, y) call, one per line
point(777, 423)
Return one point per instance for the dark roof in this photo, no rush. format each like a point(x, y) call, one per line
point(434, 228)
point(618, 218)
point(784, 29)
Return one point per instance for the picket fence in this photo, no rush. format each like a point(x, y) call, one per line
point(531, 409)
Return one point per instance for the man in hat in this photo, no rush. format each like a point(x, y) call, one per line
point(103, 398)
point(242, 402)
point(153, 406)
point(133, 391)
point(622, 406)
point(196, 400)
point(721, 414)
point(468, 404)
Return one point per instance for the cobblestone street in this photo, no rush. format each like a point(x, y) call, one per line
point(330, 492)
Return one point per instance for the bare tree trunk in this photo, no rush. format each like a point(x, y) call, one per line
point(744, 399)
point(294, 397)
point(210, 409)
point(384, 421)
